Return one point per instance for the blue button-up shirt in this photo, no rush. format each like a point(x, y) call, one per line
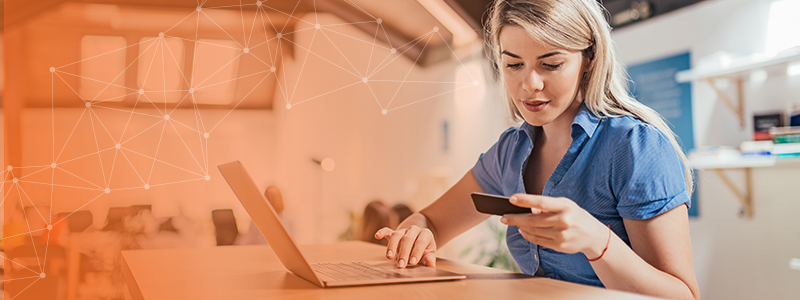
point(615, 168)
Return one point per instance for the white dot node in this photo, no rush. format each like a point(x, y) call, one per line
point(199, 8)
point(317, 26)
point(52, 69)
point(436, 29)
point(364, 80)
point(53, 165)
point(88, 104)
point(272, 69)
point(107, 190)
point(141, 91)
point(384, 111)
point(166, 117)
point(288, 106)
point(161, 34)
point(280, 35)
point(146, 186)
point(205, 135)
point(118, 146)
point(208, 178)
point(42, 275)
point(258, 3)
point(246, 50)
point(379, 21)
point(394, 50)
point(15, 180)
point(49, 227)
point(475, 83)
point(10, 168)
point(191, 90)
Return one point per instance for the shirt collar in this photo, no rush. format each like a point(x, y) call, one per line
point(585, 119)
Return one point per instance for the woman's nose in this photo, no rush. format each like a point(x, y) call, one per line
point(532, 82)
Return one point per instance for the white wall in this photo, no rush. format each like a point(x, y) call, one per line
point(735, 258)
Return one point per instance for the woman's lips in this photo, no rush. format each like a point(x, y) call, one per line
point(535, 106)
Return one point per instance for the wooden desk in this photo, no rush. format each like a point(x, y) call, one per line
point(254, 272)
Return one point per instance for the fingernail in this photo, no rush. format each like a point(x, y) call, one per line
point(413, 260)
point(513, 199)
point(389, 253)
point(401, 263)
point(503, 220)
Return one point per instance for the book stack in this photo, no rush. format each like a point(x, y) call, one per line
point(787, 142)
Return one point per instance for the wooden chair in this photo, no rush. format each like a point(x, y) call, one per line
point(225, 226)
point(376, 216)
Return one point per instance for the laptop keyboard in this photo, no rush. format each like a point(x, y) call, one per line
point(353, 271)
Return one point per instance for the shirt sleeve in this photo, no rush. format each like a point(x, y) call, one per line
point(488, 170)
point(647, 176)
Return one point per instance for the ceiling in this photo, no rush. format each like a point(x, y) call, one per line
point(361, 12)
point(395, 15)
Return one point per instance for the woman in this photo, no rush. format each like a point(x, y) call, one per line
point(606, 181)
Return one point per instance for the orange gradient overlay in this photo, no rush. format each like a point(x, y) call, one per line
point(117, 113)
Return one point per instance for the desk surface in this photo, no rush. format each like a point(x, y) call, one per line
point(254, 272)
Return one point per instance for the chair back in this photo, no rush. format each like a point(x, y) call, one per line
point(225, 226)
point(376, 216)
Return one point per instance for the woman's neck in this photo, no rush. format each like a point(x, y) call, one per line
point(559, 132)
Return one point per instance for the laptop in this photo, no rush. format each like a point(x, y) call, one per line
point(327, 274)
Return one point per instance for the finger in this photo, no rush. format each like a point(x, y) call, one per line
point(430, 259)
point(420, 246)
point(406, 243)
point(394, 240)
point(545, 220)
point(383, 232)
point(546, 233)
point(545, 203)
point(541, 241)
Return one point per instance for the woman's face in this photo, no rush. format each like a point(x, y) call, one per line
point(541, 79)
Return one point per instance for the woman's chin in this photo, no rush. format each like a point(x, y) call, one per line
point(536, 119)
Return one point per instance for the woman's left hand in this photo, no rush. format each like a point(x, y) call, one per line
point(559, 224)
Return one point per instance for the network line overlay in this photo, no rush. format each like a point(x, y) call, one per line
point(202, 131)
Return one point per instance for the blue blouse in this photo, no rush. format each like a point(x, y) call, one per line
point(615, 168)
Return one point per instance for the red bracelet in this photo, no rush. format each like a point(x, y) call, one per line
point(606, 248)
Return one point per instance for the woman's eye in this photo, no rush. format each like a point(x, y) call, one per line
point(553, 66)
point(514, 66)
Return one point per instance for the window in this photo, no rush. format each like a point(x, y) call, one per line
point(216, 66)
point(102, 68)
point(782, 26)
point(160, 72)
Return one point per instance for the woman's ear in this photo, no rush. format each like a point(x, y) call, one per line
point(588, 57)
point(586, 67)
point(588, 52)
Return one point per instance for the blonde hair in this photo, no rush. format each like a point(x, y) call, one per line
point(578, 25)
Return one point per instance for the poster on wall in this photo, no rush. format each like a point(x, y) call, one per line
point(653, 84)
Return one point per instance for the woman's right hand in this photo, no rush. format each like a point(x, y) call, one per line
point(410, 245)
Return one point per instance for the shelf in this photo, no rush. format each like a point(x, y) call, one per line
point(744, 195)
point(734, 70)
point(742, 162)
point(733, 163)
point(738, 66)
